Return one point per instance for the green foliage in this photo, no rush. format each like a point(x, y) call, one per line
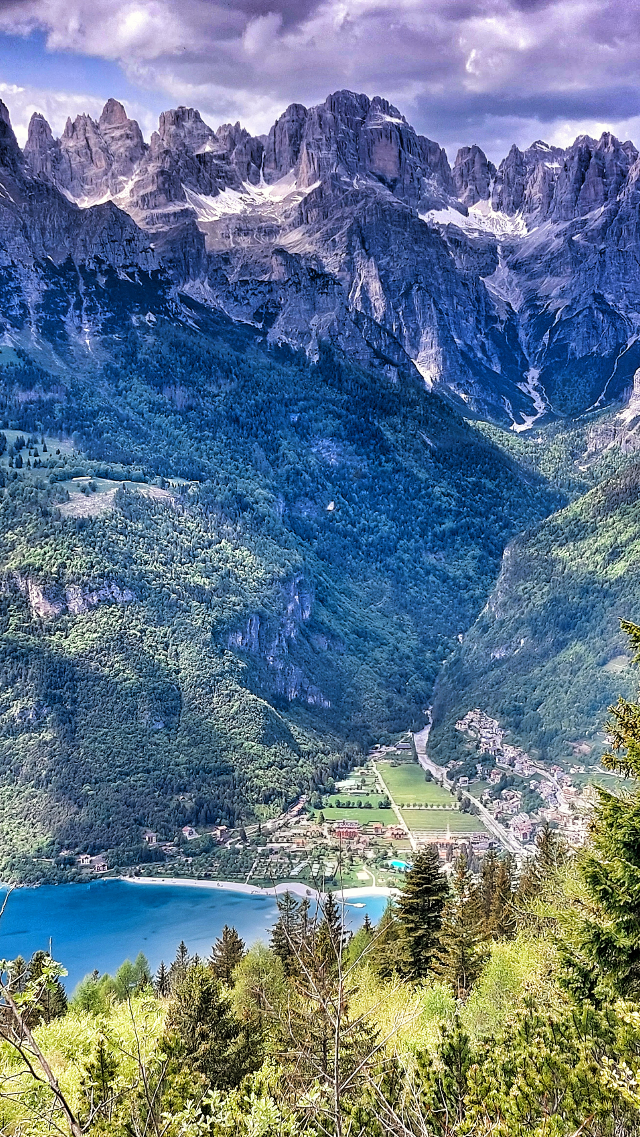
point(202, 1029)
point(226, 954)
point(546, 657)
point(459, 954)
point(419, 910)
point(607, 953)
point(201, 698)
point(260, 988)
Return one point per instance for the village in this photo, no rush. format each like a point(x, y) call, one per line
point(361, 834)
point(364, 832)
point(522, 795)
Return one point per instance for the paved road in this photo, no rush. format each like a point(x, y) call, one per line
point(504, 836)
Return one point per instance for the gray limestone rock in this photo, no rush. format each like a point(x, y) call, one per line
point(345, 226)
point(472, 175)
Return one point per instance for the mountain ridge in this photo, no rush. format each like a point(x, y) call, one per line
point(513, 291)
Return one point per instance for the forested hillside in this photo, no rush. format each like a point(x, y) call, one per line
point(547, 654)
point(269, 563)
point(498, 1003)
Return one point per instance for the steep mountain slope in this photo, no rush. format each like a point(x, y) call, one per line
point(268, 566)
point(514, 290)
point(546, 657)
point(244, 342)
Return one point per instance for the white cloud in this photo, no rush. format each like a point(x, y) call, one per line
point(549, 65)
point(56, 106)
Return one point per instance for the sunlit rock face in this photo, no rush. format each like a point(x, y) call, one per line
point(511, 290)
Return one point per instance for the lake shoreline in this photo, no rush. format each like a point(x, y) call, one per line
point(297, 888)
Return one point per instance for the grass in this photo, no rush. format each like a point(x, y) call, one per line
point(364, 816)
point(438, 820)
point(407, 785)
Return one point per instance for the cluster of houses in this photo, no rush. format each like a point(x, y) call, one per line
point(348, 830)
point(565, 805)
point(99, 864)
point(490, 737)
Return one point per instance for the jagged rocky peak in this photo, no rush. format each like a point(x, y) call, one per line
point(124, 140)
point(92, 160)
point(349, 135)
point(284, 141)
point(183, 128)
point(10, 153)
point(113, 114)
point(42, 150)
point(592, 174)
point(241, 150)
point(545, 182)
point(472, 175)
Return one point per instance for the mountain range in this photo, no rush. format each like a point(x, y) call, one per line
point(513, 291)
point(290, 422)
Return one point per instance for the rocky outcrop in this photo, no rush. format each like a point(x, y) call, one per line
point(48, 601)
point(92, 160)
point(353, 136)
point(547, 183)
point(513, 292)
point(472, 175)
point(273, 642)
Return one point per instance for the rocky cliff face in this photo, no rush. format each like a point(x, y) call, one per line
point(547, 183)
point(512, 291)
point(473, 175)
point(273, 642)
point(47, 601)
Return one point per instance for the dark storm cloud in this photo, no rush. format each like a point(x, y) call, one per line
point(461, 70)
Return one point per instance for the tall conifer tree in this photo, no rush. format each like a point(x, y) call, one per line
point(419, 910)
point(226, 954)
point(610, 934)
point(285, 933)
point(459, 955)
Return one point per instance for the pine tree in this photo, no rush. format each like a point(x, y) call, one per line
point(459, 955)
point(285, 934)
point(161, 982)
point(201, 1020)
point(142, 971)
point(487, 891)
point(389, 953)
point(330, 934)
point(419, 910)
point(367, 925)
point(19, 974)
point(180, 965)
point(502, 918)
point(445, 1081)
point(610, 935)
point(52, 1001)
point(97, 1082)
point(551, 854)
point(226, 954)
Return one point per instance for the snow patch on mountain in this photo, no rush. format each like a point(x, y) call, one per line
point(230, 201)
point(531, 387)
point(481, 220)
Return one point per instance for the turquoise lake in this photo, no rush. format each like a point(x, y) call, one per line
point(102, 923)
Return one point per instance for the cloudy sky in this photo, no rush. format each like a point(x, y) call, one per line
point(486, 71)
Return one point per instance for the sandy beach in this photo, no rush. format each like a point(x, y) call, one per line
point(295, 887)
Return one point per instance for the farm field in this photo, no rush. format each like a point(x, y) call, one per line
point(437, 821)
point(407, 785)
point(364, 816)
